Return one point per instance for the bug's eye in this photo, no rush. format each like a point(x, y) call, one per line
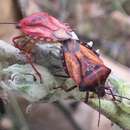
point(18, 26)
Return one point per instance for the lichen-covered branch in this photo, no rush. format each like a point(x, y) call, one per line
point(20, 77)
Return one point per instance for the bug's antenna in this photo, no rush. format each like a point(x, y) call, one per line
point(8, 23)
point(118, 96)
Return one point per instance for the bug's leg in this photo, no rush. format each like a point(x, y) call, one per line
point(71, 88)
point(35, 69)
point(87, 44)
point(16, 38)
point(66, 89)
point(62, 76)
point(86, 97)
point(113, 96)
point(83, 43)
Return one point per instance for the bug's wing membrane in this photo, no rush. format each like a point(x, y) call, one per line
point(93, 71)
point(92, 74)
point(70, 48)
point(73, 67)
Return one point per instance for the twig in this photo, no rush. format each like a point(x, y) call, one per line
point(68, 115)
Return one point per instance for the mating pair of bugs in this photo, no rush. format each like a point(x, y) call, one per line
point(81, 61)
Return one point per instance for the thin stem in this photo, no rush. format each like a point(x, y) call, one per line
point(99, 108)
point(8, 22)
point(68, 115)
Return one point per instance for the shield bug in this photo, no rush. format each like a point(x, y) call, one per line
point(85, 67)
point(39, 27)
point(83, 64)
